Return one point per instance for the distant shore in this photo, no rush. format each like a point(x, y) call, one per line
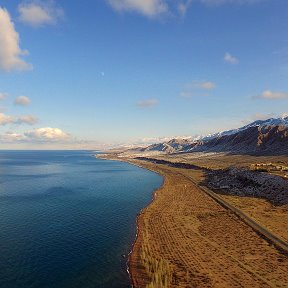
point(186, 238)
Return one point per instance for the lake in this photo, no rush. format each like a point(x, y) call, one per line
point(67, 218)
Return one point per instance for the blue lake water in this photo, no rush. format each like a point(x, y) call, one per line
point(66, 218)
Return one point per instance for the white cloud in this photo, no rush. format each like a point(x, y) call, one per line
point(3, 96)
point(272, 95)
point(261, 116)
point(148, 103)
point(207, 85)
point(183, 7)
point(186, 94)
point(154, 8)
point(150, 8)
point(15, 140)
point(10, 51)
point(11, 137)
point(196, 88)
point(258, 116)
point(230, 58)
point(47, 134)
point(26, 119)
point(22, 101)
point(36, 13)
point(154, 140)
point(38, 136)
point(221, 2)
point(6, 119)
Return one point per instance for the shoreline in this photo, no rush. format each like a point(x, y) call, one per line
point(139, 219)
point(132, 252)
point(138, 231)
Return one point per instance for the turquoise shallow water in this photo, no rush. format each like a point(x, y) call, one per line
point(66, 218)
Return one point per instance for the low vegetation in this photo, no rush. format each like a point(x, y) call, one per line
point(158, 269)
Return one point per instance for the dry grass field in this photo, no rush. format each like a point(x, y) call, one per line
point(221, 160)
point(186, 239)
point(274, 218)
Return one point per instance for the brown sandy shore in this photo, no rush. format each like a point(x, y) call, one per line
point(186, 239)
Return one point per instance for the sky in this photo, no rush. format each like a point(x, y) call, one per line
point(96, 73)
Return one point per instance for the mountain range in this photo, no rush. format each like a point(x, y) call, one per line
point(259, 137)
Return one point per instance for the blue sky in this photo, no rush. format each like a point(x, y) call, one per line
point(96, 73)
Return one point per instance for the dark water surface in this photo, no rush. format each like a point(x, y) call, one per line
point(66, 218)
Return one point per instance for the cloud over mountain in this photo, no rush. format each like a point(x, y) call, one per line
point(272, 95)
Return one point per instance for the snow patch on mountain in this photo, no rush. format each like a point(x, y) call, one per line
point(281, 121)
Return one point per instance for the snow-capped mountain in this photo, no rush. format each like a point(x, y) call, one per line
point(261, 136)
point(170, 146)
point(281, 121)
